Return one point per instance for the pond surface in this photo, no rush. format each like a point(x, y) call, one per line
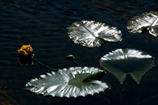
point(42, 24)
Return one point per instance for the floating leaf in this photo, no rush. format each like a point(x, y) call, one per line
point(68, 83)
point(127, 61)
point(70, 56)
point(91, 33)
point(147, 21)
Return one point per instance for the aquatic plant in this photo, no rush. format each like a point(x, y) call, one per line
point(148, 21)
point(91, 33)
point(25, 50)
point(121, 62)
point(70, 56)
point(82, 81)
point(71, 82)
point(26, 55)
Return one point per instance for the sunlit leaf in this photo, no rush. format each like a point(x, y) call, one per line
point(68, 83)
point(127, 61)
point(91, 33)
point(146, 21)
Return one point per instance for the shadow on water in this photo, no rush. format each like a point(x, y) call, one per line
point(42, 24)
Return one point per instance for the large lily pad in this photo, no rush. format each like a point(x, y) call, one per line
point(68, 83)
point(146, 21)
point(91, 33)
point(127, 61)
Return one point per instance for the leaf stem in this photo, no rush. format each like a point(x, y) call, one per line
point(76, 63)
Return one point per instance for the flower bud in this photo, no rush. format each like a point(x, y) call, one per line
point(26, 50)
point(26, 55)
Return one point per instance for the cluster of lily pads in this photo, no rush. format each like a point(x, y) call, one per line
point(80, 81)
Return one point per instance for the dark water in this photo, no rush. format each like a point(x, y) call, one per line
point(42, 24)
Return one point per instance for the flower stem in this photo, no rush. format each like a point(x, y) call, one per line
point(44, 65)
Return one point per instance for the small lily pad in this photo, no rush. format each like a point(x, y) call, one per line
point(147, 21)
point(127, 61)
point(68, 83)
point(70, 57)
point(91, 33)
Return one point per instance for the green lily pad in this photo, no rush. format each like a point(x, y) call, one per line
point(146, 21)
point(68, 83)
point(91, 33)
point(70, 56)
point(127, 61)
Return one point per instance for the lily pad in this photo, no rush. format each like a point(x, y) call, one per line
point(146, 21)
point(127, 61)
point(68, 83)
point(91, 33)
point(70, 56)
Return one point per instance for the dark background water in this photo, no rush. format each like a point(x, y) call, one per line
point(42, 24)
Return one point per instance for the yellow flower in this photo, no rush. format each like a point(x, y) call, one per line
point(25, 50)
